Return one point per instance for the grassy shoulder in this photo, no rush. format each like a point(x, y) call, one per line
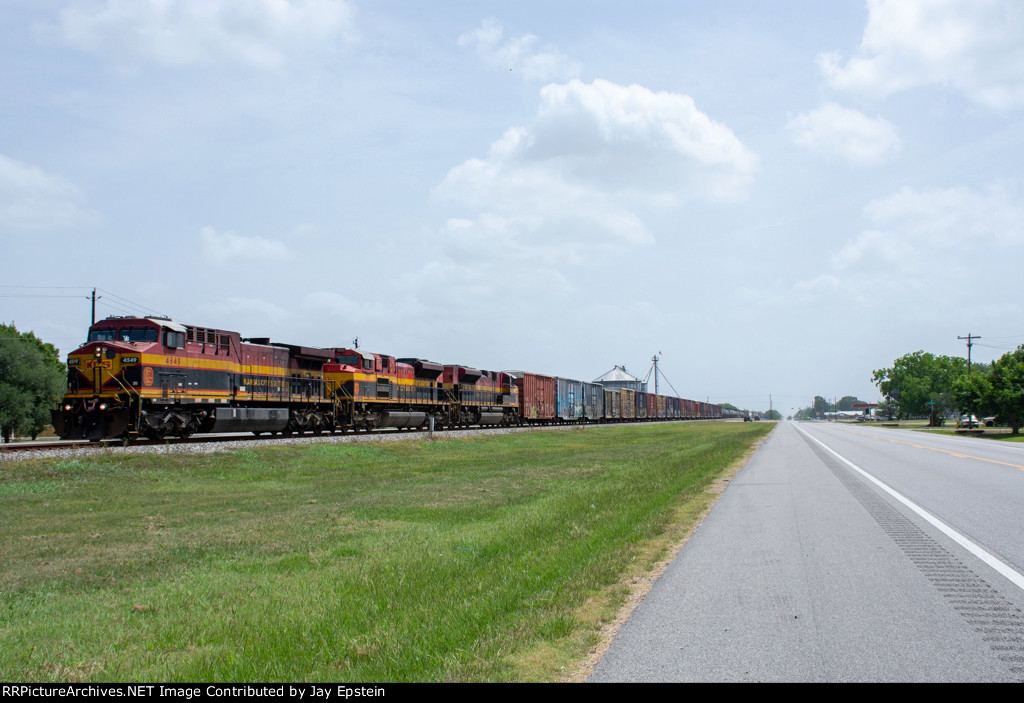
point(485, 559)
point(1004, 434)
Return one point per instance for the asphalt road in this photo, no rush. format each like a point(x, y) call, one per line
point(808, 570)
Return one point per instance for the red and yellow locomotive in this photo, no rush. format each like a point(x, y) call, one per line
point(376, 390)
point(154, 377)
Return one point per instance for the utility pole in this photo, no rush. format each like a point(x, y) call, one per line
point(970, 343)
point(94, 307)
point(655, 360)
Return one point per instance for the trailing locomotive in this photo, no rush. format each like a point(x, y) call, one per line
point(153, 377)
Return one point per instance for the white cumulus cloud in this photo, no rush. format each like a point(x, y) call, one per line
point(933, 236)
point(834, 130)
point(32, 200)
point(248, 310)
point(824, 282)
point(519, 54)
point(230, 247)
point(973, 46)
point(260, 33)
point(596, 156)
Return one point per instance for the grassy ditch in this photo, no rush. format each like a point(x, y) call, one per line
point(451, 560)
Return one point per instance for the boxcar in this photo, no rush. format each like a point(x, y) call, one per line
point(641, 405)
point(593, 401)
point(628, 398)
point(612, 404)
point(536, 396)
point(568, 399)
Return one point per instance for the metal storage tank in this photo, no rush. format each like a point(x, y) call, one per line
point(620, 378)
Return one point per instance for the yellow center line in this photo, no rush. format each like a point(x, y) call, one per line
point(935, 449)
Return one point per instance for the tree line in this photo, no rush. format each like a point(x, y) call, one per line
point(32, 377)
point(922, 384)
point(821, 407)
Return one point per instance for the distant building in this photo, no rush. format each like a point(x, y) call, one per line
point(618, 377)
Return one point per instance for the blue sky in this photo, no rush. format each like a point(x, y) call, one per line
point(779, 197)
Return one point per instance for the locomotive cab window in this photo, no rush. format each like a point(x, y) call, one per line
point(137, 334)
point(102, 335)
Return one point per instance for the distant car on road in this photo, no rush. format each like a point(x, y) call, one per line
point(967, 421)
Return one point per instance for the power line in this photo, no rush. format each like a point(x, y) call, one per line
point(114, 306)
point(38, 295)
point(138, 306)
point(47, 287)
point(115, 302)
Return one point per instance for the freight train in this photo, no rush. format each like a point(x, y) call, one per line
point(153, 377)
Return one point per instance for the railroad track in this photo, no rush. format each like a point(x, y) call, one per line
point(8, 451)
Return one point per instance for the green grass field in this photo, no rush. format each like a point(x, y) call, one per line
point(481, 559)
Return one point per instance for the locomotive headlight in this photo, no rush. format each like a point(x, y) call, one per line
point(67, 406)
point(103, 406)
point(98, 352)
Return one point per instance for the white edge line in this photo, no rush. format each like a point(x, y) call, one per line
point(1015, 577)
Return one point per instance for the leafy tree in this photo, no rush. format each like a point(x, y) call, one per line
point(921, 384)
point(848, 401)
point(31, 374)
point(973, 393)
point(885, 409)
point(1000, 391)
point(820, 407)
